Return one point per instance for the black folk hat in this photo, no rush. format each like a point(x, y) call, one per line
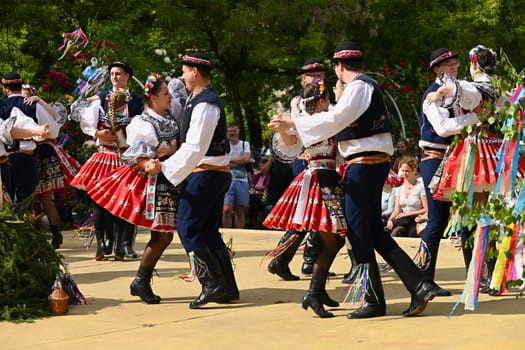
point(347, 51)
point(311, 65)
point(12, 78)
point(197, 59)
point(123, 65)
point(439, 56)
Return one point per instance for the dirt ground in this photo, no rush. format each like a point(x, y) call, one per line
point(269, 313)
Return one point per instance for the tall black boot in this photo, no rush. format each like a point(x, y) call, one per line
point(354, 268)
point(430, 272)
point(118, 249)
point(280, 265)
point(421, 289)
point(129, 238)
point(110, 241)
point(484, 286)
point(375, 304)
point(141, 286)
point(57, 239)
point(101, 247)
point(213, 288)
point(310, 252)
point(312, 298)
point(232, 292)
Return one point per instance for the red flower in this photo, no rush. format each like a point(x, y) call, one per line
point(46, 87)
point(402, 64)
point(393, 72)
point(111, 45)
point(383, 86)
point(68, 85)
point(405, 89)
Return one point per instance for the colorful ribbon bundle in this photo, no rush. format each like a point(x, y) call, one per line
point(74, 42)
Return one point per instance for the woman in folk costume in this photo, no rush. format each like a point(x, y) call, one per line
point(313, 201)
point(94, 119)
point(145, 200)
point(55, 169)
point(105, 118)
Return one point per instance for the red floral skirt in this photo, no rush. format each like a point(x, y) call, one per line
point(148, 201)
point(55, 168)
point(319, 208)
point(478, 154)
point(96, 167)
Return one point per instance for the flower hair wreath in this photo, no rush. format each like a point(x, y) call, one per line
point(317, 95)
point(152, 79)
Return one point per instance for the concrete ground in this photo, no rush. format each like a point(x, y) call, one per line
point(269, 313)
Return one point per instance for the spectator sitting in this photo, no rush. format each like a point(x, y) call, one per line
point(410, 202)
point(259, 180)
point(388, 197)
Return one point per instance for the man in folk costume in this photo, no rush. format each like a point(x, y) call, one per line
point(202, 162)
point(313, 70)
point(438, 126)
point(364, 135)
point(20, 175)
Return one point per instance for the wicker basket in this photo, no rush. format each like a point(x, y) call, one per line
point(58, 299)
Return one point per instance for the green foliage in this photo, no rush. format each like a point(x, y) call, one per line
point(28, 266)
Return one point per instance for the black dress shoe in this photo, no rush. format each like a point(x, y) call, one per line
point(425, 292)
point(369, 310)
point(282, 270)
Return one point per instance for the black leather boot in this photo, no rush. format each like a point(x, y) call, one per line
point(101, 247)
point(375, 304)
point(118, 248)
point(354, 268)
point(421, 289)
point(484, 286)
point(57, 239)
point(326, 300)
point(129, 238)
point(430, 272)
point(110, 241)
point(312, 298)
point(141, 286)
point(213, 287)
point(232, 291)
point(310, 252)
point(280, 265)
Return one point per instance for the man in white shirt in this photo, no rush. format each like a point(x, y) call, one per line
point(238, 196)
point(202, 164)
point(364, 134)
point(438, 127)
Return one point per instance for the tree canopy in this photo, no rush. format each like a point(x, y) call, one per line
point(256, 46)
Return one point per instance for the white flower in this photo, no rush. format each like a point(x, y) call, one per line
point(160, 52)
point(167, 60)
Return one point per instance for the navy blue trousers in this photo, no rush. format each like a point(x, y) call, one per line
point(200, 210)
point(20, 176)
point(363, 185)
point(438, 212)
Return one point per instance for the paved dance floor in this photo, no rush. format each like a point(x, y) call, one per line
point(269, 313)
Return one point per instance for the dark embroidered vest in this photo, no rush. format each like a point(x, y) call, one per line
point(6, 105)
point(219, 145)
point(426, 129)
point(373, 121)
